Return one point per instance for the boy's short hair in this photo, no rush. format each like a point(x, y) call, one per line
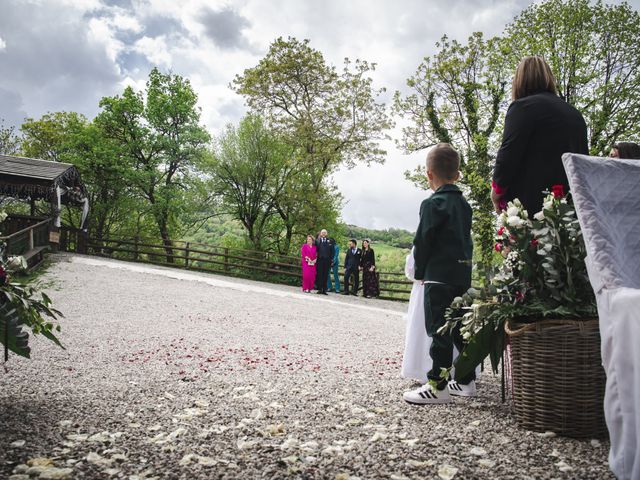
point(355, 242)
point(443, 161)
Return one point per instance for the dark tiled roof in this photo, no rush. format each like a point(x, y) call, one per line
point(32, 167)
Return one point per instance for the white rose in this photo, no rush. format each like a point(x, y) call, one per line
point(548, 204)
point(539, 216)
point(514, 221)
point(513, 211)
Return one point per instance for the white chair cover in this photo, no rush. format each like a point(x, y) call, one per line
point(606, 193)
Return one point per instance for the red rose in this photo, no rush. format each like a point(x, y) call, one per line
point(534, 243)
point(500, 230)
point(498, 247)
point(3, 276)
point(558, 191)
point(519, 296)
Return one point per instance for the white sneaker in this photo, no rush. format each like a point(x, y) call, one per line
point(461, 390)
point(427, 395)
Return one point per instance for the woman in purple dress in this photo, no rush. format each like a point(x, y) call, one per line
point(370, 287)
point(308, 259)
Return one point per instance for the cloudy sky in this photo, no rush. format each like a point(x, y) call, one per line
point(67, 54)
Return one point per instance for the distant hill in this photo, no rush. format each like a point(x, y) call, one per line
point(395, 237)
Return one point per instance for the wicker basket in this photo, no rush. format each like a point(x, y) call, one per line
point(558, 379)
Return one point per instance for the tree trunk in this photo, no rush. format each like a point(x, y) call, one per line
point(166, 240)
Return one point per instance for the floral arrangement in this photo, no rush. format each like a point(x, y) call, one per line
point(541, 274)
point(23, 308)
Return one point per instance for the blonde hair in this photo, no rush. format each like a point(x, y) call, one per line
point(533, 75)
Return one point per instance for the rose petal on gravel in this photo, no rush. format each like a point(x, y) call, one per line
point(485, 462)
point(201, 403)
point(310, 446)
point(207, 461)
point(378, 436)
point(244, 444)
point(65, 423)
point(18, 444)
point(275, 430)
point(475, 423)
point(419, 464)
point(40, 462)
point(595, 443)
point(102, 437)
point(187, 459)
point(563, 466)
point(289, 443)
point(54, 473)
point(410, 442)
point(447, 472)
point(547, 434)
point(479, 451)
point(19, 476)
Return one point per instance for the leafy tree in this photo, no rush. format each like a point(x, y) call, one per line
point(250, 171)
point(331, 117)
point(69, 137)
point(593, 52)
point(9, 141)
point(160, 137)
point(457, 96)
point(50, 137)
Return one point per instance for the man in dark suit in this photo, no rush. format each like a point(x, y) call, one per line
point(352, 267)
point(325, 250)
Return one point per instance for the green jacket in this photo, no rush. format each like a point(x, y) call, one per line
point(443, 245)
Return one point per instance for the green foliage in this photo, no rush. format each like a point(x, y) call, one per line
point(23, 307)
point(395, 237)
point(9, 141)
point(592, 50)
point(457, 96)
point(330, 117)
point(162, 146)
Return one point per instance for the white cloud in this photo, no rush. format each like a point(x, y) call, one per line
point(95, 48)
point(155, 49)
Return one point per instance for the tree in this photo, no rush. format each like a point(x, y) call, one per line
point(250, 170)
point(332, 118)
point(593, 52)
point(457, 97)
point(70, 138)
point(160, 137)
point(49, 137)
point(9, 141)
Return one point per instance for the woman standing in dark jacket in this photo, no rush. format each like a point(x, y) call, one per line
point(370, 287)
point(538, 129)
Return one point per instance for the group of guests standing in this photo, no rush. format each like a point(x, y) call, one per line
point(320, 257)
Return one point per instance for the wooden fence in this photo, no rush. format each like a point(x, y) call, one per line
point(256, 265)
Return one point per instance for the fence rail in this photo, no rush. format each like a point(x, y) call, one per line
point(266, 266)
point(25, 234)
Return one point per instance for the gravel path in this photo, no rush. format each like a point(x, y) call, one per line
point(171, 374)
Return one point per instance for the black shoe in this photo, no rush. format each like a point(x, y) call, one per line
point(345, 293)
point(319, 292)
point(325, 293)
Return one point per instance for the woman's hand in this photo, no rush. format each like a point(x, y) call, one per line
point(496, 199)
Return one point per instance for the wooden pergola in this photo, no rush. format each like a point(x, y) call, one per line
point(32, 179)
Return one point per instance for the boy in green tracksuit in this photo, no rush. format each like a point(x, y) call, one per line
point(442, 251)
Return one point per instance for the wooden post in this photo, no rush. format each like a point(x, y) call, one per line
point(186, 256)
point(226, 259)
point(31, 243)
point(135, 247)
